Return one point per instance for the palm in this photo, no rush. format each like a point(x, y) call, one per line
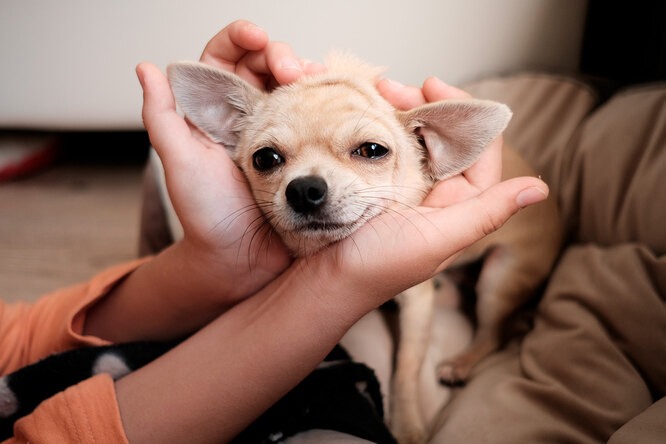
point(211, 197)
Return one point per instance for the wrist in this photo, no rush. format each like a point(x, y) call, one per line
point(200, 268)
point(320, 280)
point(227, 274)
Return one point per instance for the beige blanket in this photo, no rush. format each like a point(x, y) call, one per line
point(593, 368)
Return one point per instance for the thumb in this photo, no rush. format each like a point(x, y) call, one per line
point(390, 254)
point(167, 129)
point(462, 224)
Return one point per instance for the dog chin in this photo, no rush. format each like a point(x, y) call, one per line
point(306, 237)
point(311, 237)
point(308, 240)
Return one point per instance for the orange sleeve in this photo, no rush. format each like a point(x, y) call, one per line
point(84, 413)
point(29, 332)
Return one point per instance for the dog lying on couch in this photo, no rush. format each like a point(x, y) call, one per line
point(590, 367)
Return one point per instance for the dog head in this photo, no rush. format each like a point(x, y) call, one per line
point(327, 153)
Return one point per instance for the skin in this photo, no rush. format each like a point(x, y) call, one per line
point(247, 352)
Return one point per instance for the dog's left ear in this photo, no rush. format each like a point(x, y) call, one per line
point(214, 100)
point(456, 132)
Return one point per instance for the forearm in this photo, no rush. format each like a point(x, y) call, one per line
point(213, 385)
point(149, 303)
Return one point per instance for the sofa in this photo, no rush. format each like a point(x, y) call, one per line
point(587, 360)
point(592, 366)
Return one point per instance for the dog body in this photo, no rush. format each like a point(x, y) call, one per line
point(516, 259)
point(326, 154)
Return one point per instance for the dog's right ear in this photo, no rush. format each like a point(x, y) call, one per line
point(212, 99)
point(455, 132)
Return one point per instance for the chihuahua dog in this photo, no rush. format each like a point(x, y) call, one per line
point(326, 154)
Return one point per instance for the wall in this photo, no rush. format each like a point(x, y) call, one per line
point(69, 64)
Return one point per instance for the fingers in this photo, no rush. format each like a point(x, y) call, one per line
point(404, 251)
point(401, 96)
point(488, 211)
point(310, 67)
point(407, 97)
point(487, 170)
point(277, 60)
point(167, 129)
point(229, 46)
point(461, 225)
point(471, 220)
point(434, 89)
point(450, 191)
point(243, 48)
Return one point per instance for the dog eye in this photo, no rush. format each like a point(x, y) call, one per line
point(265, 159)
point(370, 150)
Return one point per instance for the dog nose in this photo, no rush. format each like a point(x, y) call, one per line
point(306, 194)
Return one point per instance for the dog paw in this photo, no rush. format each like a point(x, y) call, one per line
point(452, 374)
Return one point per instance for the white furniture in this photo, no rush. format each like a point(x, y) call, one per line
point(70, 64)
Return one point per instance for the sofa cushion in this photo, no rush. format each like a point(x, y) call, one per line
point(606, 164)
point(547, 111)
point(613, 186)
point(593, 361)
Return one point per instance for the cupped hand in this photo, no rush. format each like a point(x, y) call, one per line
point(210, 194)
point(223, 228)
point(226, 231)
point(244, 49)
point(485, 172)
point(397, 250)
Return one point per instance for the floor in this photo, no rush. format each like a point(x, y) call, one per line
point(75, 218)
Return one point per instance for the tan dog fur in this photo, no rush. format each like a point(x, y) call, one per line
point(317, 126)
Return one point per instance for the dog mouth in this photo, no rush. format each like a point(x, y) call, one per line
point(307, 235)
point(332, 228)
point(322, 226)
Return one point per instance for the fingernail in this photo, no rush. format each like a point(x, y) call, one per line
point(439, 81)
point(311, 67)
point(139, 75)
point(289, 63)
point(395, 83)
point(530, 196)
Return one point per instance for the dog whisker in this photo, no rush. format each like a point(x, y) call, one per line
point(386, 206)
point(231, 218)
point(265, 231)
point(253, 227)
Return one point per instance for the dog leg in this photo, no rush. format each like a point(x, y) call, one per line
point(416, 305)
point(506, 282)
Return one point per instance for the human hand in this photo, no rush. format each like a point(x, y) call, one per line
point(485, 172)
point(224, 231)
point(395, 251)
point(244, 49)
